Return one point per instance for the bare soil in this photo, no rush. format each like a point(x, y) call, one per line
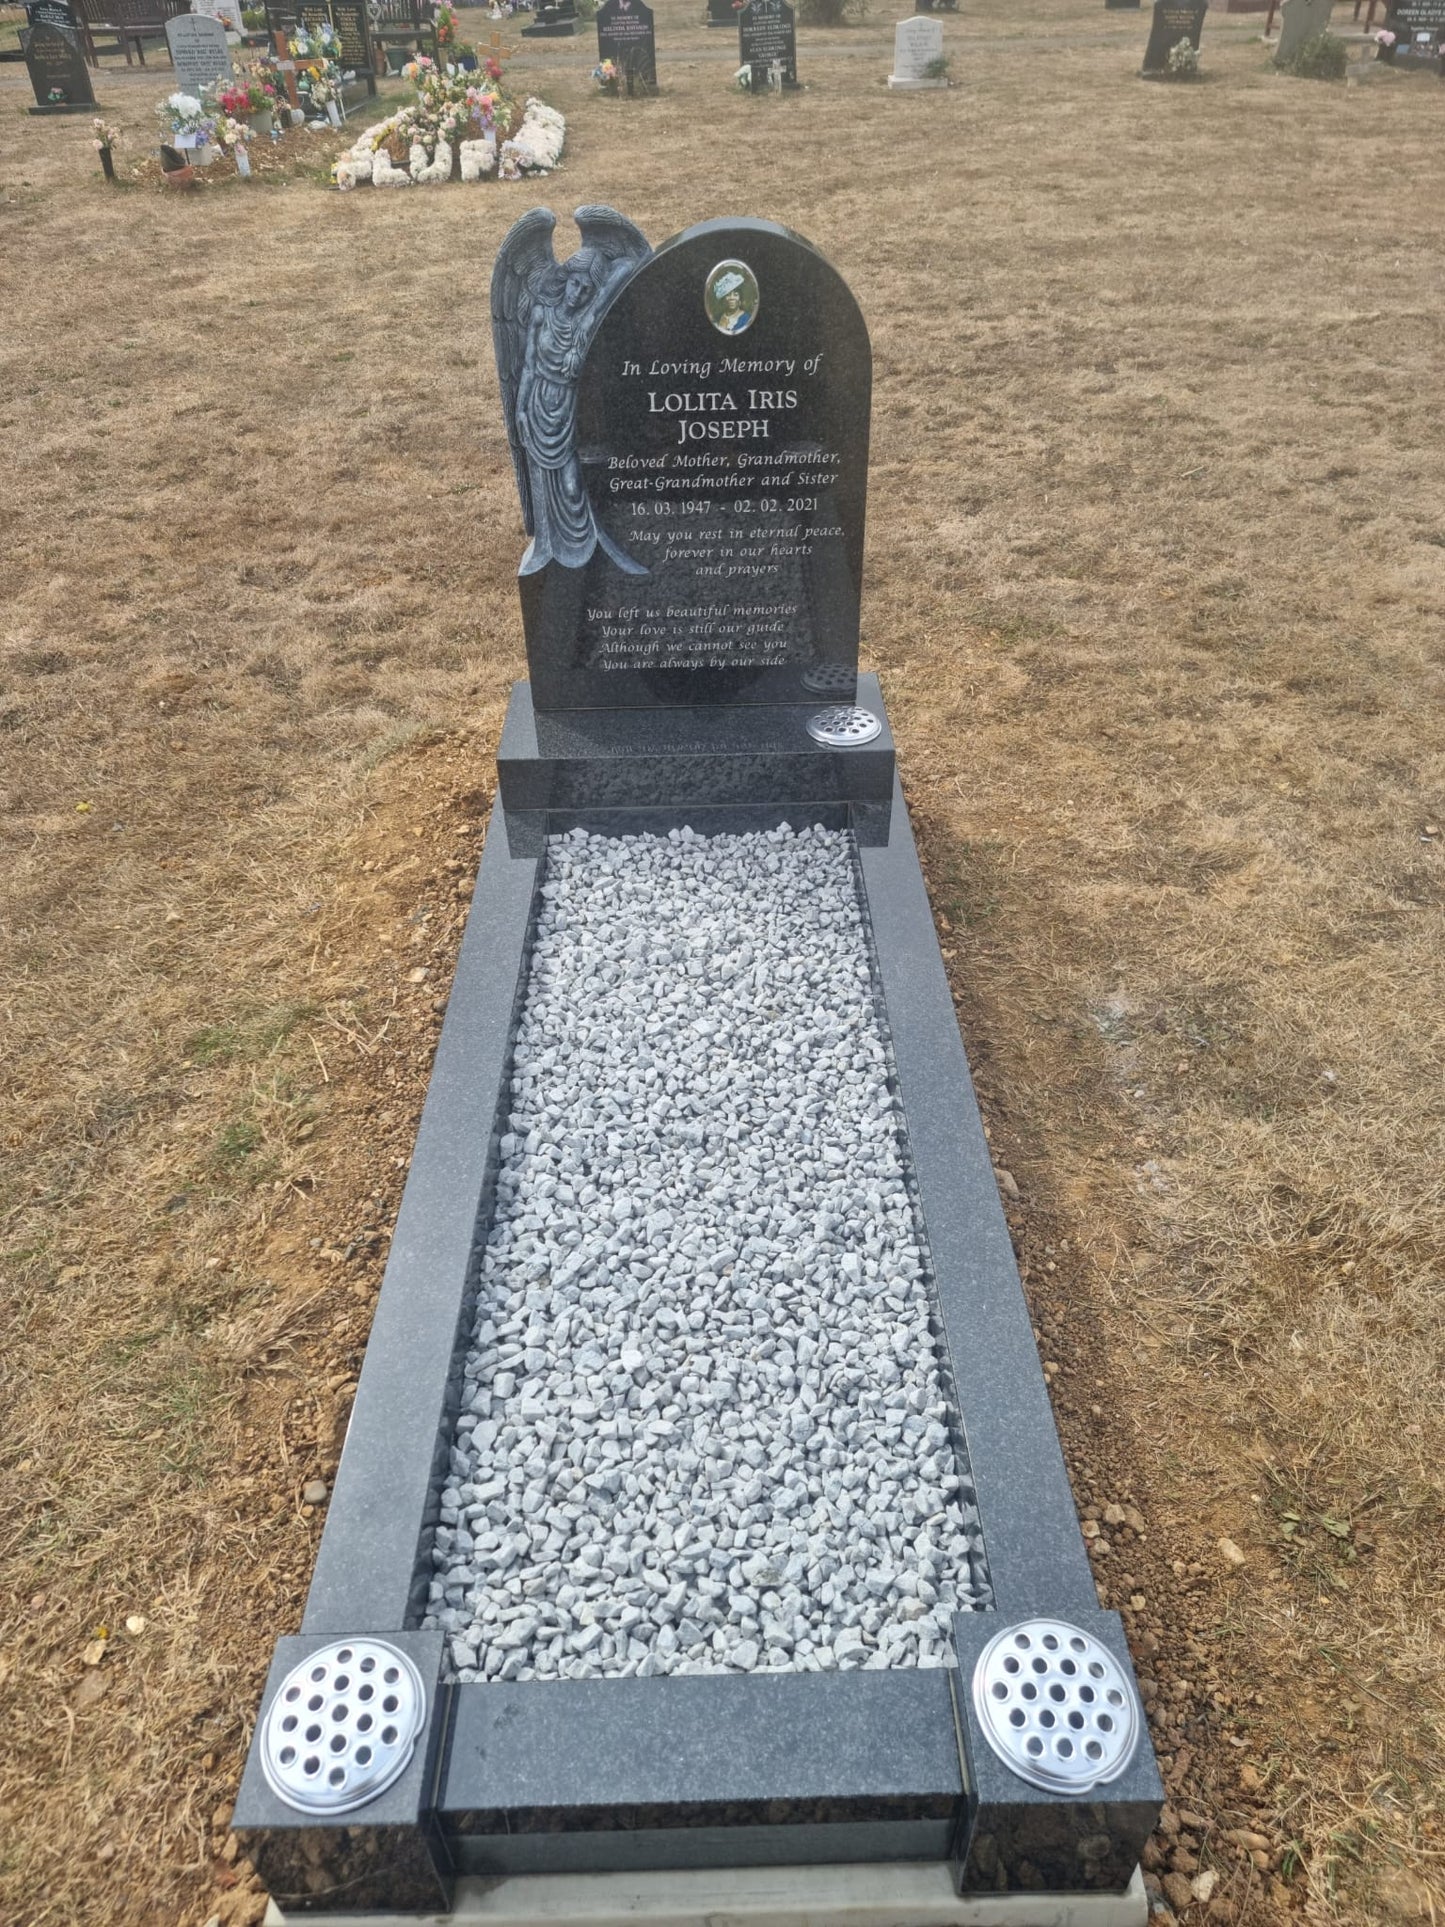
point(1156, 579)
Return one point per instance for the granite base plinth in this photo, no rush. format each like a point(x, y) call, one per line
point(616, 760)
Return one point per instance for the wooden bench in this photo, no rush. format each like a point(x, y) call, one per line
point(123, 24)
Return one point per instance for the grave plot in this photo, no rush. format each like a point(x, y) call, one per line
point(705, 1423)
point(701, 1505)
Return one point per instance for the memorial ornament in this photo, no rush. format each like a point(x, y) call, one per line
point(544, 315)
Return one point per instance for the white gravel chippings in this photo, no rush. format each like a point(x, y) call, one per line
point(703, 1428)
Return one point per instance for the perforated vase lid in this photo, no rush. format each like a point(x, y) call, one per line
point(343, 1726)
point(1056, 1706)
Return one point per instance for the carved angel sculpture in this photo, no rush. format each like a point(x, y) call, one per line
point(544, 315)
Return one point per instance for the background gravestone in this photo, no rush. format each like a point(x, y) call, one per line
point(52, 13)
point(1300, 21)
point(626, 36)
point(198, 51)
point(55, 60)
point(917, 43)
point(1174, 20)
point(720, 13)
point(228, 12)
point(713, 516)
point(552, 20)
point(767, 36)
point(1419, 30)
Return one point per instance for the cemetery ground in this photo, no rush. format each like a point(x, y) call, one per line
point(1155, 583)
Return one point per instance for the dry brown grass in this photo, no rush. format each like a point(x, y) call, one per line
point(1155, 583)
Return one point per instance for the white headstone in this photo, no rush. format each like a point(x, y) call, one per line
point(1300, 21)
point(228, 11)
point(198, 50)
point(916, 43)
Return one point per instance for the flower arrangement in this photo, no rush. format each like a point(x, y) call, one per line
point(422, 144)
point(1183, 61)
point(245, 97)
point(606, 75)
point(322, 85)
point(536, 147)
point(446, 24)
point(186, 120)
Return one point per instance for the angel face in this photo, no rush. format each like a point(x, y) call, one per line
point(577, 289)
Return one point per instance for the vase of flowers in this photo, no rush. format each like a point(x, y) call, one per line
point(106, 138)
point(187, 124)
point(250, 99)
point(607, 77)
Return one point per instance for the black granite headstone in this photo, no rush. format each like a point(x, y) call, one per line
point(1419, 30)
point(349, 17)
point(58, 73)
point(552, 20)
point(51, 13)
point(627, 37)
point(1174, 20)
point(767, 37)
point(710, 526)
point(720, 13)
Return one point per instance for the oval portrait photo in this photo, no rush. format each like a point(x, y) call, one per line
point(731, 297)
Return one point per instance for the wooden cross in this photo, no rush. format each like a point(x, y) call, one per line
point(496, 51)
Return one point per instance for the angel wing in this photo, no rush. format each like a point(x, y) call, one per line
point(620, 242)
point(523, 261)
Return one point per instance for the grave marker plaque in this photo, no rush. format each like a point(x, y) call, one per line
point(1419, 30)
point(767, 38)
point(1174, 20)
point(55, 60)
point(698, 522)
point(917, 43)
point(1300, 21)
point(626, 36)
point(198, 50)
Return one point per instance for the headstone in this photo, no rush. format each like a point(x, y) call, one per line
point(198, 51)
point(768, 40)
point(917, 43)
point(552, 20)
point(353, 28)
point(696, 503)
point(720, 13)
point(1113, 5)
point(1419, 30)
point(1174, 20)
point(228, 12)
point(626, 36)
point(58, 73)
point(52, 13)
point(1300, 21)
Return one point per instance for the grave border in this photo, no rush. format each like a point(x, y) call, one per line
point(699, 1743)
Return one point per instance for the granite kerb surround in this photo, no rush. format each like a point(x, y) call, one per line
point(371, 1568)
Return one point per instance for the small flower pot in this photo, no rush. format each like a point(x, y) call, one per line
point(179, 177)
point(262, 123)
